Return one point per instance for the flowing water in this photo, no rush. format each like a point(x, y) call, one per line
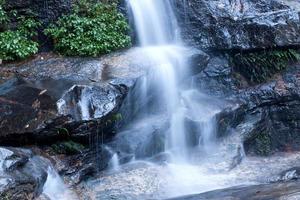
point(158, 34)
point(55, 188)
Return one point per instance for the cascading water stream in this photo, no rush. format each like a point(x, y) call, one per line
point(159, 36)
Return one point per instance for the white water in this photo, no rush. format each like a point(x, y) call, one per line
point(114, 162)
point(158, 34)
point(55, 188)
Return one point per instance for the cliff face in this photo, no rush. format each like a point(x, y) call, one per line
point(239, 24)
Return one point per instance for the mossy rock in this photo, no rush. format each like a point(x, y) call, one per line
point(68, 147)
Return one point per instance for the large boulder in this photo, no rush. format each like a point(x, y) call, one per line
point(53, 98)
point(58, 98)
point(239, 24)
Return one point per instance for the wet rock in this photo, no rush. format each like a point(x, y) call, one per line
point(23, 107)
point(198, 60)
point(239, 24)
point(277, 103)
point(40, 117)
point(22, 174)
point(79, 167)
point(216, 78)
point(275, 191)
point(90, 102)
point(130, 141)
point(274, 105)
point(193, 133)
point(267, 115)
point(55, 98)
point(65, 98)
point(68, 148)
point(288, 175)
point(229, 117)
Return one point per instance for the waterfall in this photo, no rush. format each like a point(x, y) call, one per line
point(158, 34)
point(154, 21)
point(114, 162)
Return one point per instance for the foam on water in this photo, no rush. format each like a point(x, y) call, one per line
point(55, 188)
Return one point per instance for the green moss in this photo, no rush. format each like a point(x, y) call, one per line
point(263, 144)
point(117, 117)
point(63, 131)
point(91, 29)
point(68, 147)
point(257, 67)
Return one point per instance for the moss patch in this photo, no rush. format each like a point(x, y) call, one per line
point(263, 144)
point(259, 66)
point(68, 147)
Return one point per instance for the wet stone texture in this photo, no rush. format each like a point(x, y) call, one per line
point(22, 174)
point(239, 24)
point(63, 98)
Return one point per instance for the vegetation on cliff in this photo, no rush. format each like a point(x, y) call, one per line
point(91, 29)
point(258, 66)
point(17, 42)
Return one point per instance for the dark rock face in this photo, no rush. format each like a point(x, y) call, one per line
point(47, 10)
point(269, 112)
point(216, 78)
point(77, 168)
point(22, 174)
point(278, 105)
point(239, 24)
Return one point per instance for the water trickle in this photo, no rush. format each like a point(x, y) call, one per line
point(114, 162)
point(55, 188)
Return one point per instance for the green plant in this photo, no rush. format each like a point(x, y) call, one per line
point(261, 65)
point(3, 15)
point(17, 43)
point(28, 26)
point(14, 45)
point(91, 30)
point(263, 144)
